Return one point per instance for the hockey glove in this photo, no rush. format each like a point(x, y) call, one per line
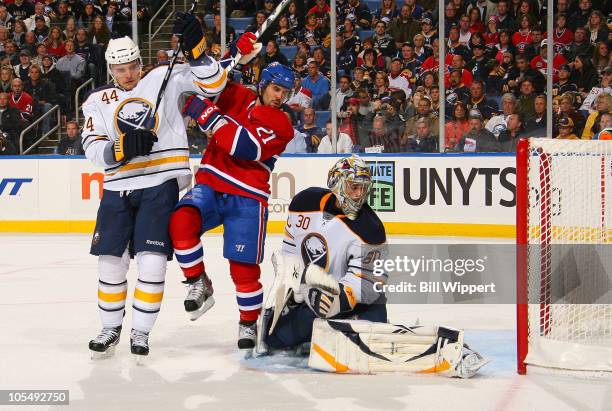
point(247, 46)
point(190, 29)
point(326, 304)
point(134, 143)
point(203, 111)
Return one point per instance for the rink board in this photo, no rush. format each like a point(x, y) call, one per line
point(428, 194)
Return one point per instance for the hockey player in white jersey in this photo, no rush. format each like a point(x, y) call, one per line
point(326, 292)
point(146, 163)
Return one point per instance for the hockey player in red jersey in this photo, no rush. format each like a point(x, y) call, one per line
point(249, 131)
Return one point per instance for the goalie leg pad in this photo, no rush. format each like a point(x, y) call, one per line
point(365, 347)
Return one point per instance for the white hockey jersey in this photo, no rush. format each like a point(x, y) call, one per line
point(319, 233)
point(110, 111)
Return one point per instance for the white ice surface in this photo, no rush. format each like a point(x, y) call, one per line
point(48, 313)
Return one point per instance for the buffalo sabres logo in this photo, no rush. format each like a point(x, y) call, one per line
point(134, 113)
point(314, 250)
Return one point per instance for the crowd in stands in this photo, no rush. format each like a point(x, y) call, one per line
point(388, 93)
point(47, 49)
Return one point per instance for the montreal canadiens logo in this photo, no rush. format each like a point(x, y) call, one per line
point(133, 113)
point(314, 250)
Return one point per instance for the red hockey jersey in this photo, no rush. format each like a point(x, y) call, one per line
point(24, 104)
point(538, 63)
point(241, 154)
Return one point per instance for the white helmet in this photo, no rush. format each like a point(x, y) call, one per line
point(120, 51)
point(350, 170)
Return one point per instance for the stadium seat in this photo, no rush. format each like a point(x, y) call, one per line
point(321, 118)
point(240, 23)
point(289, 52)
point(364, 34)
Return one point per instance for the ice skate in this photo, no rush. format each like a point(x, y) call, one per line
point(103, 346)
point(199, 296)
point(139, 345)
point(247, 335)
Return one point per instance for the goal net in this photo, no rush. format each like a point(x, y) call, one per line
point(564, 254)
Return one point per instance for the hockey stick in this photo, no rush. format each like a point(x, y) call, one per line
point(164, 84)
point(265, 26)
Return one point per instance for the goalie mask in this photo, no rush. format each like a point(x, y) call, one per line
point(121, 51)
point(350, 180)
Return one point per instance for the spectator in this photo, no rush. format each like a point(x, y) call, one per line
point(7, 148)
point(39, 11)
point(457, 65)
point(454, 46)
point(21, 69)
point(504, 19)
point(41, 30)
point(423, 141)
point(6, 78)
point(299, 65)
point(479, 101)
point(580, 46)
point(272, 55)
point(564, 84)
point(456, 91)
point(20, 9)
point(98, 32)
point(397, 79)
point(43, 93)
point(10, 52)
point(606, 128)
point(457, 127)
point(476, 18)
point(421, 50)
point(566, 109)
point(491, 35)
point(21, 100)
point(566, 129)
point(162, 57)
point(60, 17)
point(525, 104)
point(11, 121)
point(352, 121)
point(295, 19)
point(562, 35)
point(383, 42)
point(478, 64)
point(344, 144)
point(585, 75)
point(29, 43)
point(71, 144)
point(382, 138)
point(533, 49)
point(465, 34)
point(498, 123)
point(72, 66)
point(70, 29)
point(50, 73)
point(593, 122)
point(601, 57)
point(427, 30)
point(597, 27)
point(523, 71)
point(503, 46)
point(316, 83)
point(423, 109)
point(87, 17)
point(345, 59)
point(540, 63)
point(321, 10)
point(478, 139)
point(404, 27)
point(285, 35)
point(90, 53)
point(450, 17)
point(301, 97)
point(310, 130)
point(19, 33)
point(359, 13)
point(511, 135)
point(522, 38)
point(580, 18)
point(536, 125)
point(344, 92)
point(360, 81)
point(6, 19)
point(55, 45)
point(297, 145)
point(381, 86)
point(386, 13)
point(319, 56)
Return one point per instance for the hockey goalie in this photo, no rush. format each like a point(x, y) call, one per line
point(324, 293)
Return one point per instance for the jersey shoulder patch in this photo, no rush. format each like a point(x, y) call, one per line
point(367, 226)
point(274, 119)
point(308, 200)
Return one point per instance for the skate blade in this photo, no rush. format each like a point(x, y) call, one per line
point(97, 355)
point(140, 360)
point(208, 304)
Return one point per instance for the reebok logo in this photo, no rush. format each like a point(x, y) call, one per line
point(157, 243)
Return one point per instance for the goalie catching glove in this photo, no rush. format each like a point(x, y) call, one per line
point(189, 29)
point(204, 112)
point(324, 295)
point(134, 143)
